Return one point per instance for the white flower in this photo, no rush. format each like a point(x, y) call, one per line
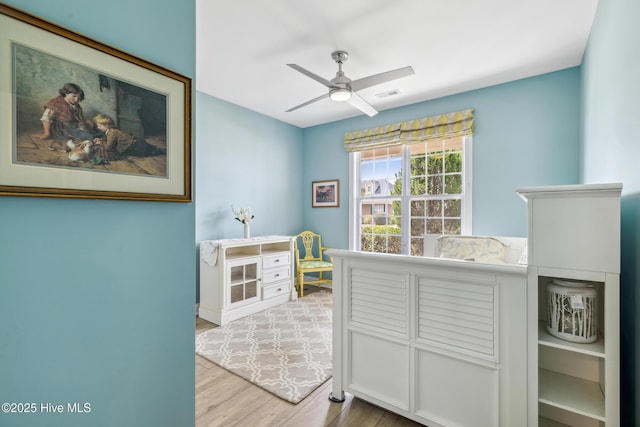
point(243, 215)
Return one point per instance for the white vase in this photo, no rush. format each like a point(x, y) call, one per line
point(247, 231)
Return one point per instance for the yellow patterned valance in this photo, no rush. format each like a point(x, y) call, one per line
point(443, 126)
point(368, 139)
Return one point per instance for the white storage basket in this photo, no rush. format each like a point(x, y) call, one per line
point(572, 311)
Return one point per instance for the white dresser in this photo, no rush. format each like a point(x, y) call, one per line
point(239, 277)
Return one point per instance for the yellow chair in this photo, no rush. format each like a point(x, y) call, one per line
point(310, 258)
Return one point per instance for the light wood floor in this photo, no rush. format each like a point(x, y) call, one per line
point(224, 399)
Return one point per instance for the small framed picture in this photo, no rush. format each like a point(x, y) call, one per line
point(325, 194)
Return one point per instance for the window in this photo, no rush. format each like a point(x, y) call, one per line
point(405, 191)
point(408, 179)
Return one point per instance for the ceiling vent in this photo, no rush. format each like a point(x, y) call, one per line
point(393, 92)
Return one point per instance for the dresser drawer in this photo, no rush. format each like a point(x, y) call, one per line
point(276, 260)
point(275, 275)
point(275, 290)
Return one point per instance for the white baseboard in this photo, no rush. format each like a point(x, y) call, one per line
point(197, 308)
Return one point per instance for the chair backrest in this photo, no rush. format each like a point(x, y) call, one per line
point(308, 243)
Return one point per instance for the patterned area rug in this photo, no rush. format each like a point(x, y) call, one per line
point(286, 350)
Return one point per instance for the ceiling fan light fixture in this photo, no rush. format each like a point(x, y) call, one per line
point(342, 88)
point(340, 94)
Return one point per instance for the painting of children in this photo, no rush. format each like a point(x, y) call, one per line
point(54, 82)
point(116, 143)
point(63, 117)
point(57, 132)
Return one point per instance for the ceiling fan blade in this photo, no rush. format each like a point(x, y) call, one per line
point(377, 79)
point(362, 105)
point(314, 76)
point(326, 95)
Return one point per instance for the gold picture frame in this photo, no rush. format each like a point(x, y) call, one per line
point(126, 135)
point(325, 194)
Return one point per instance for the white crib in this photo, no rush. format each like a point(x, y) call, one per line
point(438, 340)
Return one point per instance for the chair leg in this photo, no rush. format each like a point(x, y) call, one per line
point(301, 284)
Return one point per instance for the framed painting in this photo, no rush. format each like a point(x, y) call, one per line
point(325, 194)
point(81, 119)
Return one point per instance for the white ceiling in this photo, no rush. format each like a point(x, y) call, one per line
point(454, 46)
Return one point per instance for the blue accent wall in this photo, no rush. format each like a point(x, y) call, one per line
point(96, 296)
point(527, 133)
point(246, 159)
point(611, 153)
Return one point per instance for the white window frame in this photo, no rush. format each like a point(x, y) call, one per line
point(354, 196)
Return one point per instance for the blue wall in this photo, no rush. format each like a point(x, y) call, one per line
point(527, 133)
point(248, 160)
point(97, 297)
point(611, 150)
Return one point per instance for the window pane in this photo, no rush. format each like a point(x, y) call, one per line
point(379, 219)
point(380, 244)
point(417, 207)
point(452, 226)
point(418, 186)
point(236, 293)
point(367, 213)
point(251, 290)
point(379, 208)
point(379, 170)
point(434, 208)
point(417, 246)
point(453, 161)
point(417, 172)
point(381, 225)
point(366, 243)
point(453, 184)
point(453, 208)
point(396, 210)
point(418, 165)
point(394, 245)
point(434, 185)
point(435, 164)
point(417, 226)
point(434, 226)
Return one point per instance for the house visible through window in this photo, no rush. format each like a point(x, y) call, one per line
point(406, 189)
point(425, 196)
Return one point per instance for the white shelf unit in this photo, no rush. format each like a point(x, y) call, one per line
point(574, 234)
point(239, 277)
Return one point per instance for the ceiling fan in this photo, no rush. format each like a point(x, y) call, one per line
point(343, 89)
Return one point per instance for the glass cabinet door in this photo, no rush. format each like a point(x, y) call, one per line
point(242, 276)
